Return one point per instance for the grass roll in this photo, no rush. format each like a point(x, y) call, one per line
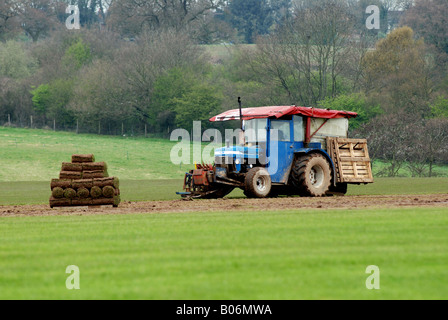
point(69, 193)
point(96, 192)
point(83, 158)
point(57, 193)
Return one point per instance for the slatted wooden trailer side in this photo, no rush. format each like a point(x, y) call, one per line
point(351, 159)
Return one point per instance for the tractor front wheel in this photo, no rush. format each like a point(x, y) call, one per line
point(257, 183)
point(311, 175)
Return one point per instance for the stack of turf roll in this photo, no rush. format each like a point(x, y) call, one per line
point(84, 182)
point(83, 166)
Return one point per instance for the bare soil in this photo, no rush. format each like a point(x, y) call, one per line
point(225, 205)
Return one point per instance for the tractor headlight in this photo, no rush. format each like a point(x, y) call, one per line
point(237, 161)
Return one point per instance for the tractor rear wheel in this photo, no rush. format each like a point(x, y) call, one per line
point(311, 175)
point(257, 183)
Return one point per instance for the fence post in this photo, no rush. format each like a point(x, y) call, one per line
point(31, 118)
point(146, 130)
point(9, 119)
point(54, 124)
point(77, 126)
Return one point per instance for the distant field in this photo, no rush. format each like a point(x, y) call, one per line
point(222, 52)
point(310, 254)
point(36, 155)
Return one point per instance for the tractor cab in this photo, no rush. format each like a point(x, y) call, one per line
point(284, 150)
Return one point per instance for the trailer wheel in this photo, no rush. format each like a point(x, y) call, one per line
point(311, 175)
point(257, 183)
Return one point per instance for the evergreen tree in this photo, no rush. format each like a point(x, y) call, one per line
point(250, 17)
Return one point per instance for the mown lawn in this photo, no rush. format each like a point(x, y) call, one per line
point(228, 255)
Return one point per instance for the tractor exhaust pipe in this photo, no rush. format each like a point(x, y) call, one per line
point(242, 140)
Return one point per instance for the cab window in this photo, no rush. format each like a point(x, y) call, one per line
point(283, 127)
point(255, 130)
point(299, 130)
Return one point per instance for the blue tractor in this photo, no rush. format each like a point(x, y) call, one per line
point(284, 150)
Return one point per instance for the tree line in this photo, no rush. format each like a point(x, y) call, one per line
point(148, 67)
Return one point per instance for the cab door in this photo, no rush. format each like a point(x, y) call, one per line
point(281, 150)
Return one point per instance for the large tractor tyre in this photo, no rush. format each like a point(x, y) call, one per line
point(311, 175)
point(257, 183)
point(339, 190)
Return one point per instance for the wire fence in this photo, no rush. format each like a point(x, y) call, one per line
point(80, 127)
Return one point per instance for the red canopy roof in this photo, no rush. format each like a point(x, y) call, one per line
point(278, 112)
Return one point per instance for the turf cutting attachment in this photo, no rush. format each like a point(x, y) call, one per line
point(200, 183)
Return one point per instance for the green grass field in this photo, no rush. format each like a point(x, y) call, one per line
point(233, 255)
point(299, 254)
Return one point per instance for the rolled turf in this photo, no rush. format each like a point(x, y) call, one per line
point(70, 175)
point(115, 201)
point(68, 166)
point(82, 183)
point(94, 166)
point(69, 193)
point(57, 193)
point(108, 192)
point(83, 158)
point(59, 202)
point(83, 193)
point(95, 192)
point(82, 202)
point(60, 183)
point(110, 181)
point(94, 174)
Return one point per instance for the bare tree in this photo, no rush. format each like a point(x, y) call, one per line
point(307, 55)
point(123, 88)
point(390, 140)
point(8, 13)
point(37, 17)
point(429, 19)
point(133, 16)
